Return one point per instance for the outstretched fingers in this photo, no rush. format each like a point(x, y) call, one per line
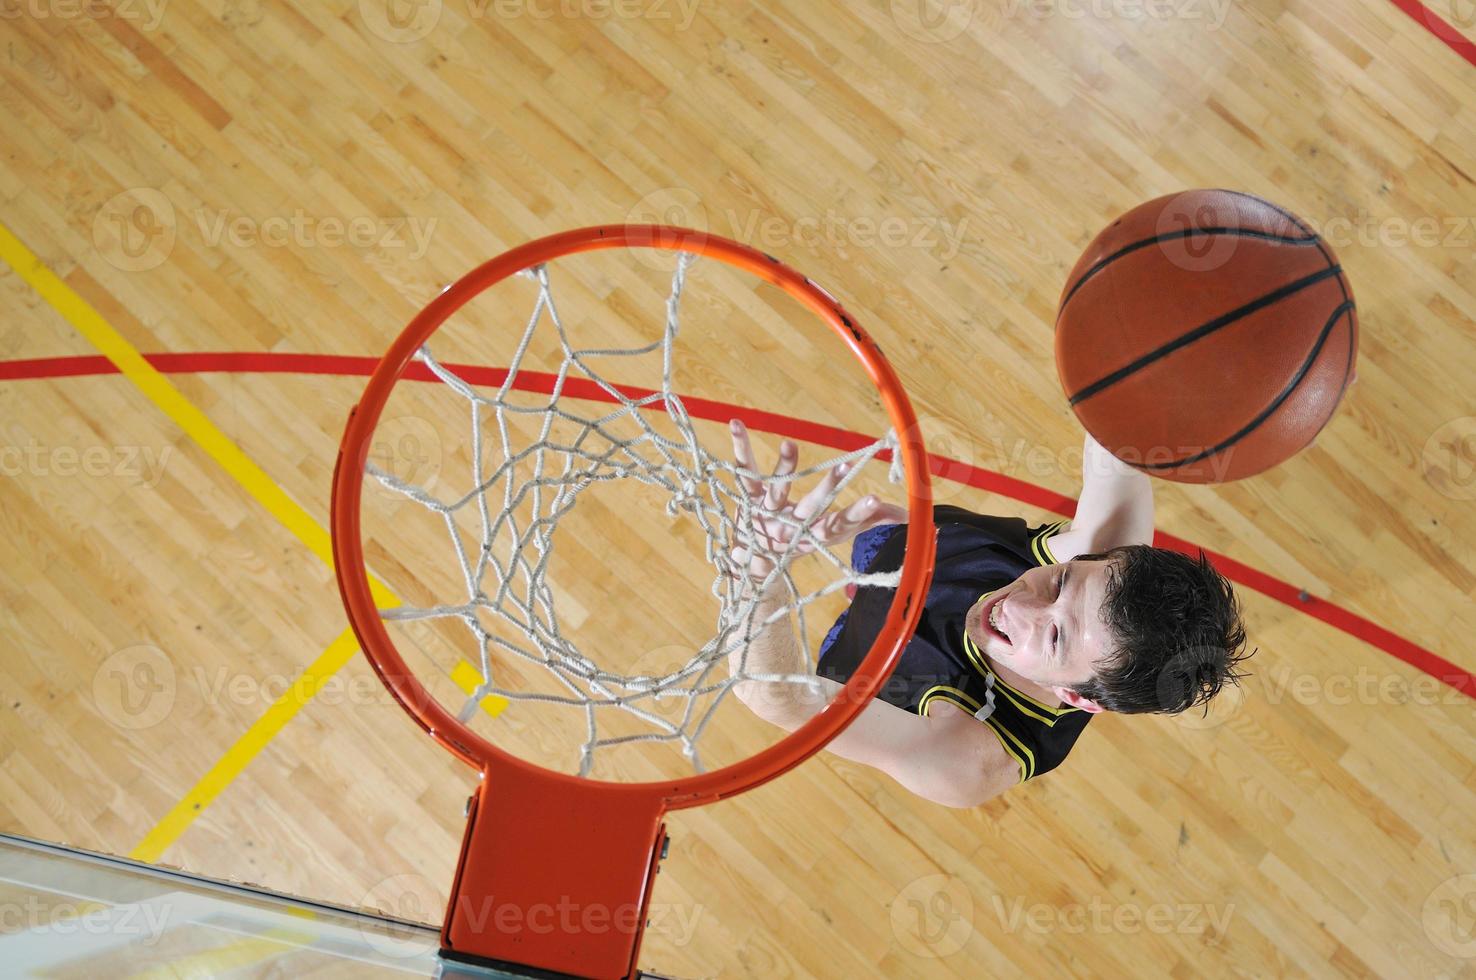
point(815, 501)
point(777, 496)
point(774, 522)
point(743, 456)
point(847, 523)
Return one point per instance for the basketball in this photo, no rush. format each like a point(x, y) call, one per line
point(1207, 336)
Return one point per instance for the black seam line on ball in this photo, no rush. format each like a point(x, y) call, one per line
point(1302, 226)
point(1173, 236)
point(1273, 206)
point(1276, 403)
point(1255, 306)
point(1321, 245)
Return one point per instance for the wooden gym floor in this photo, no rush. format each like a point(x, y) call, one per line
point(265, 177)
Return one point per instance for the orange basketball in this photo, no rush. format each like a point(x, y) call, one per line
point(1206, 336)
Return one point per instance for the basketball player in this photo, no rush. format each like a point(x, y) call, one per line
point(1026, 633)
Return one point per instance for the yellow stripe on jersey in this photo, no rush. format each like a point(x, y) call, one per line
point(1038, 547)
point(1020, 699)
point(950, 694)
point(1022, 753)
point(1023, 757)
point(1025, 706)
point(976, 656)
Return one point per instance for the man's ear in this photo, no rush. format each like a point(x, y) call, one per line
point(1086, 704)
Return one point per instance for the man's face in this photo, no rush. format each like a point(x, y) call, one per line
point(1052, 618)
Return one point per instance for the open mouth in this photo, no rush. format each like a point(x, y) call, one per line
point(988, 621)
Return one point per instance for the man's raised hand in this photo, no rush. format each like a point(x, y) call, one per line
point(776, 520)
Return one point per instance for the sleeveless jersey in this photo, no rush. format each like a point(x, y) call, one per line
point(977, 555)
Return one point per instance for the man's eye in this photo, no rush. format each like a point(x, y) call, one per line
point(1055, 631)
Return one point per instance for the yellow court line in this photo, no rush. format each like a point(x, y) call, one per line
point(197, 425)
point(110, 343)
point(468, 678)
point(247, 747)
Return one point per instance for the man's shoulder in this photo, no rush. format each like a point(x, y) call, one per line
point(1030, 543)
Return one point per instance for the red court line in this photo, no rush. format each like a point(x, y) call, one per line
point(1334, 615)
point(1440, 27)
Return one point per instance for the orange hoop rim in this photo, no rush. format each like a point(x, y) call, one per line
point(442, 725)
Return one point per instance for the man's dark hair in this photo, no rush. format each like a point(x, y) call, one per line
point(1174, 623)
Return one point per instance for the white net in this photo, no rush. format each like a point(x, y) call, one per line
point(532, 460)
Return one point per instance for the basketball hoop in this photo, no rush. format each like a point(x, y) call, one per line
point(597, 844)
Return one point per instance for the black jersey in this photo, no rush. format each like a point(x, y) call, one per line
point(976, 556)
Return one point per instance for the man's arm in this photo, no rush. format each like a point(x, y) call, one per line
point(1116, 506)
point(947, 757)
